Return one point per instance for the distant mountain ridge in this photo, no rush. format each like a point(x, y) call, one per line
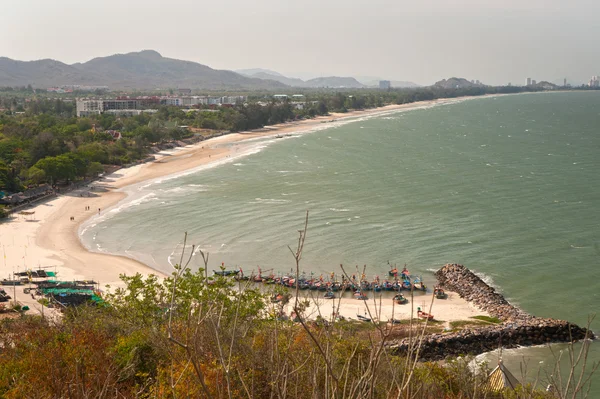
point(138, 70)
point(329, 81)
point(320, 82)
point(456, 83)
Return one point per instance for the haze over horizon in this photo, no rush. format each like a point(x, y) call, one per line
point(401, 40)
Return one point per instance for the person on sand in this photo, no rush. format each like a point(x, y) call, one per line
point(98, 211)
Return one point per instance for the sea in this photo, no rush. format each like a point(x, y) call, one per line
point(509, 186)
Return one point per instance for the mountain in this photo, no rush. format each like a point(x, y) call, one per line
point(255, 71)
point(456, 83)
point(40, 73)
point(334, 82)
point(280, 78)
point(139, 70)
point(331, 81)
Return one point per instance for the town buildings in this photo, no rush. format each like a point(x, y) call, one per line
point(137, 105)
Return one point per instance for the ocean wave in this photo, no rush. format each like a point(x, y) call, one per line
point(269, 201)
point(486, 278)
point(339, 210)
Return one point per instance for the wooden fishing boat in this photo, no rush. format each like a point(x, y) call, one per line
point(11, 282)
point(276, 298)
point(329, 295)
point(360, 296)
point(400, 299)
point(226, 273)
point(440, 293)
point(418, 285)
point(423, 315)
point(363, 318)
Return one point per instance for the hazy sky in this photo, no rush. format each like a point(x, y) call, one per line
point(496, 41)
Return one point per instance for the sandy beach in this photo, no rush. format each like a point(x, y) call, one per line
point(50, 238)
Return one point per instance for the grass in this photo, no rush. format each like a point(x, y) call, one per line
point(458, 324)
point(493, 320)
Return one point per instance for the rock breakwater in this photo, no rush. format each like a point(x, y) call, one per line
point(518, 328)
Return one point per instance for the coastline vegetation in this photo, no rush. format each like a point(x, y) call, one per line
point(200, 336)
point(42, 141)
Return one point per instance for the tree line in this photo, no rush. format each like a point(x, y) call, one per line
point(41, 140)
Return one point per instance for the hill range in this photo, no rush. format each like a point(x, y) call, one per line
point(149, 70)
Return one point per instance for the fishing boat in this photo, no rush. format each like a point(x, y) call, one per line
point(329, 295)
point(360, 296)
point(418, 285)
point(226, 273)
point(423, 315)
point(440, 293)
point(400, 299)
point(11, 282)
point(276, 298)
point(363, 318)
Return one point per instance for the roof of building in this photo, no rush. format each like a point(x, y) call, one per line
point(501, 378)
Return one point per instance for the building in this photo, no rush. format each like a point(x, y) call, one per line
point(528, 82)
point(595, 82)
point(533, 82)
point(185, 92)
point(171, 101)
point(280, 97)
point(88, 107)
point(565, 82)
point(499, 379)
point(385, 84)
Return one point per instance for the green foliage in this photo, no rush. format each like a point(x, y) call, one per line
point(488, 319)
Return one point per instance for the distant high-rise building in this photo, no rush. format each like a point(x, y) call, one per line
point(565, 82)
point(595, 82)
point(528, 82)
point(384, 84)
point(533, 82)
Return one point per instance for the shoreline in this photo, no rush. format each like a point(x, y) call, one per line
point(52, 239)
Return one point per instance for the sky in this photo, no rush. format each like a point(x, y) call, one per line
point(495, 41)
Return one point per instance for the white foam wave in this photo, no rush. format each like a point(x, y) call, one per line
point(269, 201)
point(339, 210)
point(486, 278)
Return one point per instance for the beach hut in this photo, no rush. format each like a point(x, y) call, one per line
point(500, 378)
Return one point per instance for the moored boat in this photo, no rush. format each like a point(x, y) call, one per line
point(360, 296)
point(363, 318)
point(424, 315)
point(400, 299)
point(440, 293)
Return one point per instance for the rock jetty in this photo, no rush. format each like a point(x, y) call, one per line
point(518, 328)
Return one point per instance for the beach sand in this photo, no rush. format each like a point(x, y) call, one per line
point(51, 239)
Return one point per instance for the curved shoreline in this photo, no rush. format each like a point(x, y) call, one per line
point(52, 239)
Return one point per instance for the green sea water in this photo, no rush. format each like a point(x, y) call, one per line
point(508, 186)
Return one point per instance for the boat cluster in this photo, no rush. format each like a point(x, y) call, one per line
point(356, 283)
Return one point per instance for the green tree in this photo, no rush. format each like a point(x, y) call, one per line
point(36, 175)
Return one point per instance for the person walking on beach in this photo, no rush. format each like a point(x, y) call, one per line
point(98, 211)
